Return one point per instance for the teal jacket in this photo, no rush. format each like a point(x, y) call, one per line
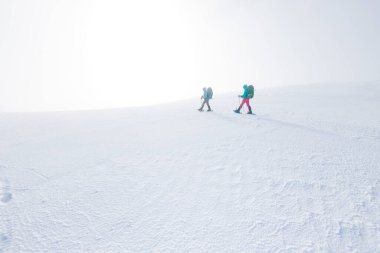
point(245, 94)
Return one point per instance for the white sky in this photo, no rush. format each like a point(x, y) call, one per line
point(83, 54)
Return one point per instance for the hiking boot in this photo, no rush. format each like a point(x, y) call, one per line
point(249, 110)
point(238, 110)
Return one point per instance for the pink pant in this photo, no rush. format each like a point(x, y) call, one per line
point(245, 101)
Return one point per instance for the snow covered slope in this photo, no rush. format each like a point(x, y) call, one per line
point(301, 176)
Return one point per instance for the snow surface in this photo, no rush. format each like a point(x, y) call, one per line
point(303, 175)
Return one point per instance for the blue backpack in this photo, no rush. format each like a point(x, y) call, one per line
point(209, 93)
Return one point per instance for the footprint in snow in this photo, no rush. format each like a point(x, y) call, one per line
point(4, 242)
point(5, 195)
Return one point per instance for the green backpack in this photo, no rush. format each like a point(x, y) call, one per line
point(251, 91)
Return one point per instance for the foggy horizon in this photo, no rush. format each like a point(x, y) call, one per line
point(76, 55)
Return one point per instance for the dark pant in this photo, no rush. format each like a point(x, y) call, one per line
point(205, 101)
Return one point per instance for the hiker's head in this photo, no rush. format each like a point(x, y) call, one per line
point(245, 86)
point(204, 88)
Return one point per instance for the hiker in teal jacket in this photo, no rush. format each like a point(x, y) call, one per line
point(247, 95)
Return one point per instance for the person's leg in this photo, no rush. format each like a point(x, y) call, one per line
point(241, 105)
point(238, 109)
point(245, 101)
point(207, 103)
point(203, 104)
point(249, 107)
point(249, 110)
